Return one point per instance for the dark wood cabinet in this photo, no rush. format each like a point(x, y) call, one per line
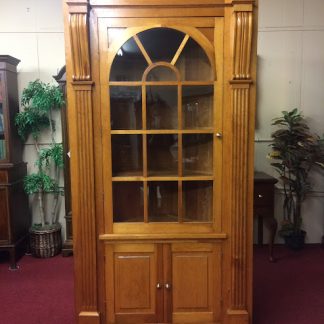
point(67, 248)
point(14, 210)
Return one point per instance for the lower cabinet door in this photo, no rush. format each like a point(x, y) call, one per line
point(196, 284)
point(163, 283)
point(133, 283)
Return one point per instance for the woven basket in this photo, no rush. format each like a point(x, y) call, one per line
point(45, 243)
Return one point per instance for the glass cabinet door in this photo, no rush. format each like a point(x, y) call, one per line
point(2, 122)
point(161, 90)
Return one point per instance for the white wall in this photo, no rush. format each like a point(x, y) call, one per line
point(32, 31)
point(291, 74)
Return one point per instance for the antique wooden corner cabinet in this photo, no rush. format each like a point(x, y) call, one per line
point(161, 125)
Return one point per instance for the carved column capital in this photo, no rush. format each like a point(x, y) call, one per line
point(79, 40)
point(243, 27)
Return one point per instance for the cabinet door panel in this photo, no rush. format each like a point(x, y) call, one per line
point(195, 282)
point(134, 284)
point(4, 234)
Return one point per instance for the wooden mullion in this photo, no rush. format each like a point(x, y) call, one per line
point(145, 194)
point(187, 83)
point(180, 171)
point(126, 83)
point(161, 83)
point(180, 204)
point(180, 49)
point(139, 83)
point(142, 49)
point(143, 106)
point(145, 189)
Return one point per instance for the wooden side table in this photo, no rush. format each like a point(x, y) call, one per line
point(264, 207)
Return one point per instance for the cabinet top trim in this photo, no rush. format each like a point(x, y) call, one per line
point(154, 2)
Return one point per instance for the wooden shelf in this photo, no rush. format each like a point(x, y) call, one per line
point(163, 236)
point(163, 178)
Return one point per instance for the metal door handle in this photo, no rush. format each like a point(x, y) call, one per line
point(219, 135)
point(167, 286)
point(158, 286)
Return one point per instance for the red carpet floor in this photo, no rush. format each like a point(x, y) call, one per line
point(290, 291)
point(39, 292)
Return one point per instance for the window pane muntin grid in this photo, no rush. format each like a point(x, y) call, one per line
point(175, 130)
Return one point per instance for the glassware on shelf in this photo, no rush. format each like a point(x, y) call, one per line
point(197, 106)
point(163, 201)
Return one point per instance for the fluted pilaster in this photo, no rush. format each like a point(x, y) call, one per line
point(82, 163)
point(240, 107)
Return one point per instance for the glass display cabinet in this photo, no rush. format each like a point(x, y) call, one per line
point(14, 216)
point(161, 116)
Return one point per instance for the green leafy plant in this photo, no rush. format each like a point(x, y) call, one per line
point(296, 150)
point(39, 100)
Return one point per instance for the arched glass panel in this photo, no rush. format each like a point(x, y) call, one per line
point(161, 73)
point(159, 139)
point(129, 63)
point(194, 64)
point(161, 44)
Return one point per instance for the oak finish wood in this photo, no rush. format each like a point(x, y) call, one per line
point(226, 32)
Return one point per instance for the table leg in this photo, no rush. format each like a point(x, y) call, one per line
point(272, 224)
point(260, 230)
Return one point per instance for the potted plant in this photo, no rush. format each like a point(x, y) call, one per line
point(296, 150)
point(39, 100)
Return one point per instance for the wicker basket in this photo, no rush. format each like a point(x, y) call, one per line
point(45, 243)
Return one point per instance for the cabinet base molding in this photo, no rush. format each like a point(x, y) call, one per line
point(237, 317)
point(197, 317)
point(89, 318)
